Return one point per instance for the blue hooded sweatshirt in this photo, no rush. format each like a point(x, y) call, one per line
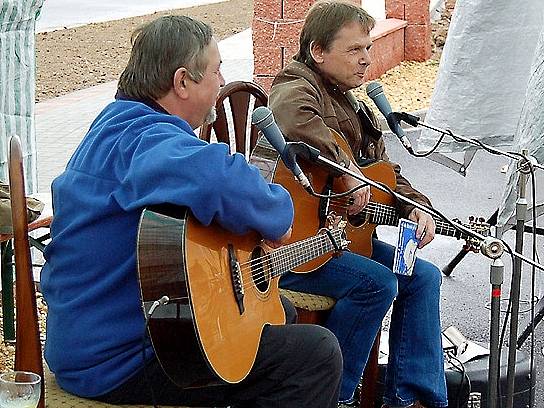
point(133, 156)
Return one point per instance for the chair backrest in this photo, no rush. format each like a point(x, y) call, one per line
point(28, 351)
point(242, 96)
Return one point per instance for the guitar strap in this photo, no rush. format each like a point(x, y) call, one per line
point(333, 241)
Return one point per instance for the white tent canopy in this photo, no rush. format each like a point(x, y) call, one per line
point(483, 73)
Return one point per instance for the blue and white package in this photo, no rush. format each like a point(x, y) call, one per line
point(405, 253)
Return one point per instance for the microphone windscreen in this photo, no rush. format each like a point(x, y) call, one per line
point(262, 117)
point(373, 89)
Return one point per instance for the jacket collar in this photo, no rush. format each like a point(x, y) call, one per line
point(120, 95)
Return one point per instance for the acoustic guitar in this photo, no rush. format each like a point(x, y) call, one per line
point(311, 212)
point(215, 291)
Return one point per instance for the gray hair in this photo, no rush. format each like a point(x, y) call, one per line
point(159, 48)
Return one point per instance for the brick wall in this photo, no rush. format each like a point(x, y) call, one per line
point(277, 24)
point(417, 35)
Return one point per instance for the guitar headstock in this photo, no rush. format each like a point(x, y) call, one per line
point(478, 225)
point(336, 230)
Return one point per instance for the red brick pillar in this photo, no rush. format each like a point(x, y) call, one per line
point(417, 37)
point(276, 29)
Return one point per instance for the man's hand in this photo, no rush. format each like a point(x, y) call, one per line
point(282, 241)
point(425, 226)
point(361, 197)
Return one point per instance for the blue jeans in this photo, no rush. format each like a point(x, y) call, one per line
point(364, 290)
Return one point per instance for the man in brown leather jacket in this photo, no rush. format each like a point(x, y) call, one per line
point(309, 96)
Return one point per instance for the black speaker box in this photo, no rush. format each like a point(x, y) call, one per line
point(462, 388)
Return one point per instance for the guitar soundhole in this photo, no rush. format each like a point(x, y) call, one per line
point(357, 220)
point(260, 269)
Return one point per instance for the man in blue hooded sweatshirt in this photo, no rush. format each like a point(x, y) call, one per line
point(141, 150)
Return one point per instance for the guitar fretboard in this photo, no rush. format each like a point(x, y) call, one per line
point(290, 256)
point(381, 214)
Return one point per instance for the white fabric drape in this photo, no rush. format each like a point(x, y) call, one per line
point(529, 134)
point(483, 73)
point(17, 82)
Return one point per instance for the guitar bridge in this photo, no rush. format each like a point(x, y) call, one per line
point(237, 282)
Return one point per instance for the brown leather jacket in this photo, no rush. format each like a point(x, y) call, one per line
point(305, 107)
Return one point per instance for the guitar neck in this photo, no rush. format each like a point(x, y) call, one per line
point(290, 256)
point(381, 214)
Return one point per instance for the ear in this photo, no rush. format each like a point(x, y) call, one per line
point(316, 51)
point(180, 82)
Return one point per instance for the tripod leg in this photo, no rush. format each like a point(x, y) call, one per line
point(539, 314)
point(448, 269)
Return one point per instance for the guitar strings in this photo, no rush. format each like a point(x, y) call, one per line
point(373, 209)
point(310, 242)
point(390, 214)
point(259, 275)
point(255, 276)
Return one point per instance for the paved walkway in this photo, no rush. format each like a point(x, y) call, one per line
point(59, 14)
point(62, 122)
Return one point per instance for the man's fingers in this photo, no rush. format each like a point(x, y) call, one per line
point(361, 198)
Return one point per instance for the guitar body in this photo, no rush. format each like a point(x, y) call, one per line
point(310, 211)
point(202, 326)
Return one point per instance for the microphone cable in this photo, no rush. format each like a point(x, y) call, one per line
point(414, 121)
point(464, 377)
point(335, 195)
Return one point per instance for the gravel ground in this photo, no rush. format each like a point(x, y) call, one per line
point(77, 58)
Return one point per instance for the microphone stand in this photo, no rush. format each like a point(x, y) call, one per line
point(491, 247)
point(521, 213)
point(497, 270)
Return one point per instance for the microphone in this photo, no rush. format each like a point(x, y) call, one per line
point(263, 119)
point(374, 91)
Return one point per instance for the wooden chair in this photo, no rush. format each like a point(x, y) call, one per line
point(242, 97)
point(28, 350)
point(6, 256)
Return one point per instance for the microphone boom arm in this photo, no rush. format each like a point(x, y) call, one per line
point(491, 245)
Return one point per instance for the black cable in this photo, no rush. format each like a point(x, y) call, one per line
point(415, 121)
point(335, 195)
point(433, 149)
point(464, 376)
